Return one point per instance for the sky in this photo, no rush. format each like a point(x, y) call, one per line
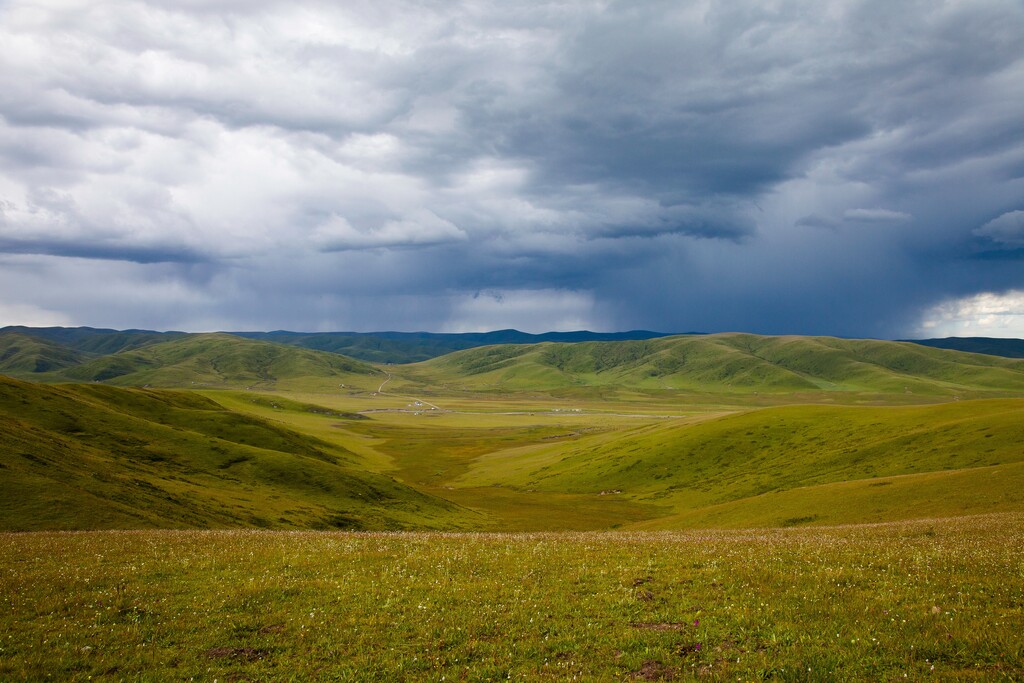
point(840, 167)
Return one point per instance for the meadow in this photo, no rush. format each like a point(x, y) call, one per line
point(919, 600)
point(726, 507)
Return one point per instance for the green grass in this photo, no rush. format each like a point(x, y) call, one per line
point(930, 599)
point(737, 458)
point(92, 456)
point(789, 435)
point(537, 464)
point(223, 360)
point(24, 355)
point(728, 363)
point(662, 433)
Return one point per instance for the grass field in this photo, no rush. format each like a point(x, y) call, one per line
point(723, 507)
point(930, 599)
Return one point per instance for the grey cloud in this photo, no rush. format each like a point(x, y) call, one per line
point(875, 216)
point(103, 251)
point(293, 164)
point(816, 221)
point(1005, 231)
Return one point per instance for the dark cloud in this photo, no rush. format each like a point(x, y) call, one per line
point(838, 167)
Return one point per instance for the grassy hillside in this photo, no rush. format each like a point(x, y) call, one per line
point(376, 347)
point(94, 457)
point(795, 464)
point(412, 347)
point(221, 360)
point(24, 355)
point(729, 363)
point(91, 340)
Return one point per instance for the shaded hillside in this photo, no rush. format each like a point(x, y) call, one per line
point(219, 360)
point(377, 347)
point(91, 457)
point(824, 464)
point(95, 341)
point(993, 346)
point(729, 363)
point(24, 355)
point(412, 347)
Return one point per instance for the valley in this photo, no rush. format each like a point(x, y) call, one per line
point(729, 430)
point(713, 506)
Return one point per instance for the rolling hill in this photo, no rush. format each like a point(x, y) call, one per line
point(792, 465)
point(412, 347)
point(728, 363)
point(21, 354)
point(96, 457)
point(376, 347)
point(220, 360)
point(90, 340)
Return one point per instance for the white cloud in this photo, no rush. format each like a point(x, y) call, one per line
point(987, 314)
point(419, 228)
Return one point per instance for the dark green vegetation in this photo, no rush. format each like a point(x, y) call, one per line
point(96, 457)
point(937, 599)
point(22, 354)
point(90, 340)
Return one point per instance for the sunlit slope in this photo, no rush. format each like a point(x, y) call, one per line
point(729, 363)
point(91, 457)
point(24, 355)
point(222, 360)
point(733, 460)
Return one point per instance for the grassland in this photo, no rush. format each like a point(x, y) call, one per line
point(729, 364)
point(934, 599)
point(21, 354)
point(452, 444)
point(98, 457)
point(769, 507)
point(221, 360)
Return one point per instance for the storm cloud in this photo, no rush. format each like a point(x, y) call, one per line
point(847, 167)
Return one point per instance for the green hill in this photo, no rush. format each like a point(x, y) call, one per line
point(92, 457)
point(91, 340)
point(222, 360)
point(24, 355)
point(729, 363)
point(412, 347)
point(375, 347)
point(794, 464)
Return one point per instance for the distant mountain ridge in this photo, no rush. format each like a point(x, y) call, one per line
point(413, 347)
point(992, 346)
point(375, 347)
